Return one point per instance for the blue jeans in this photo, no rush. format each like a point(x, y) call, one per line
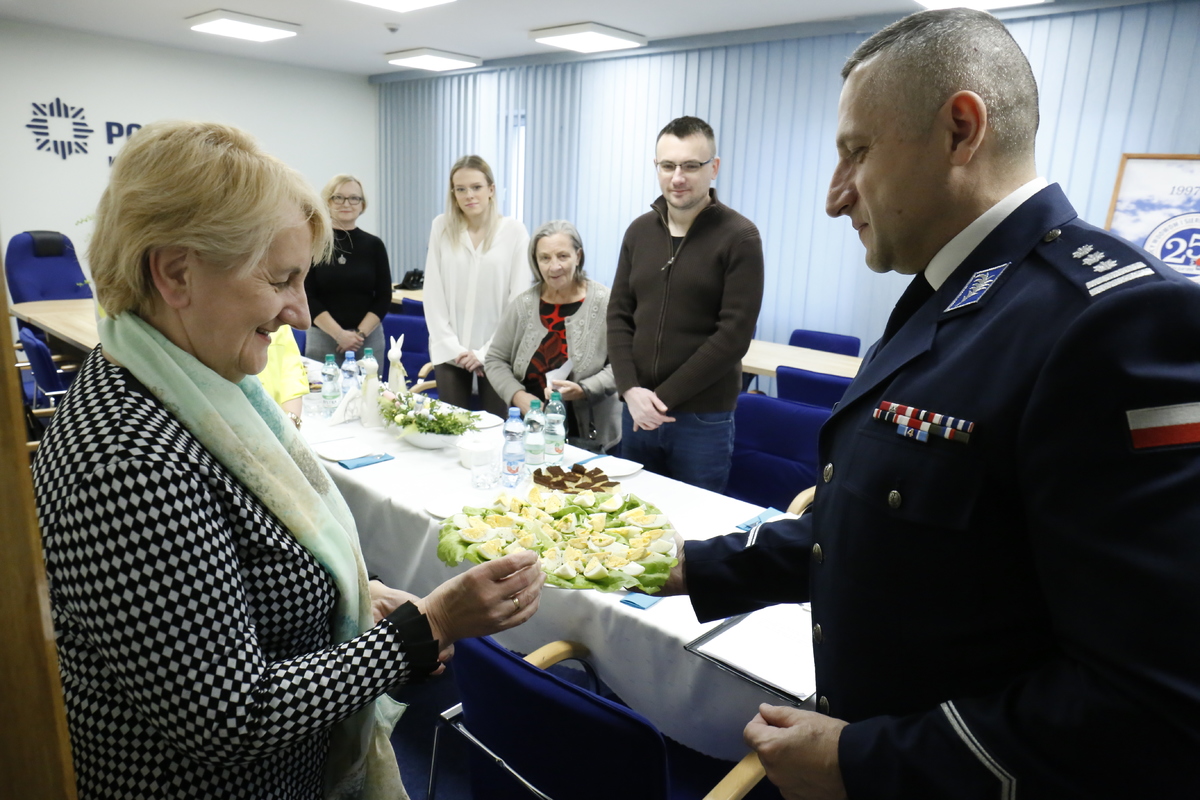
point(695, 448)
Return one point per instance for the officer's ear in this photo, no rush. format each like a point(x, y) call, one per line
point(965, 120)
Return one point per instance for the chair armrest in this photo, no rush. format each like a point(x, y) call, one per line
point(423, 386)
point(550, 654)
point(740, 780)
point(425, 370)
point(44, 412)
point(802, 501)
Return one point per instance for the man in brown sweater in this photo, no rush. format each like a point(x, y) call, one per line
point(682, 313)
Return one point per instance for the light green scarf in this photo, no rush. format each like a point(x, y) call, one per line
point(245, 430)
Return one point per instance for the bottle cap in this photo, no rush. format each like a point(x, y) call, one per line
point(534, 405)
point(329, 358)
point(556, 397)
point(513, 411)
point(368, 352)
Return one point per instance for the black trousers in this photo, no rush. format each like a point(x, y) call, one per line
point(454, 387)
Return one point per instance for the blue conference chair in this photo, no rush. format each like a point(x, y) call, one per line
point(558, 740)
point(806, 386)
point(416, 345)
point(829, 342)
point(774, 449)
point(301, 338)
point(41, 265)
point(51, 382)
point(412, 308)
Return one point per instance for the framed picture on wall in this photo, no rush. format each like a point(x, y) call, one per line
point(1156, 204)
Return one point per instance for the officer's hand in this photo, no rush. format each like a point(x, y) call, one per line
point(798, 749)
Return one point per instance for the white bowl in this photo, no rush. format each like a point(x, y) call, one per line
point(429, 441)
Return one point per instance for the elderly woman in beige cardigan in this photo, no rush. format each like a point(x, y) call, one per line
point(560, 318)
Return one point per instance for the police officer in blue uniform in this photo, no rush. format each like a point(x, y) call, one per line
point(1003, 554)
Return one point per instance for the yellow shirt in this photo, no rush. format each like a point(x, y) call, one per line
point(285, 377)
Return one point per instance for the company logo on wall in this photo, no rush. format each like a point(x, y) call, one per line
point(60, 128)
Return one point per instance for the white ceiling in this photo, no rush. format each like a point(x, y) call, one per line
point(349, 37)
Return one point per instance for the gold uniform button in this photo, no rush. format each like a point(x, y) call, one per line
point(817, 555)
point(823, 705)
point(894, 499)
point(827, 473)
point(1052, 235)
point(817, 634)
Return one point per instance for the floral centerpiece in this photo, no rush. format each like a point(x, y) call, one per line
point(416, 415)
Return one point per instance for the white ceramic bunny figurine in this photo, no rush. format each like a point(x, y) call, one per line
point(396, 376)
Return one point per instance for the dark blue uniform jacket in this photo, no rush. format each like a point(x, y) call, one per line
point(1015, 616)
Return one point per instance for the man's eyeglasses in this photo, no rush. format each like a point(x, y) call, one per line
point(669, 167)
point(353, 200)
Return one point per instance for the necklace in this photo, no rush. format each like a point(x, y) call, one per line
point(341, 253)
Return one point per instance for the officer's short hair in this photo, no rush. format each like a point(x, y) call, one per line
point(933, 54)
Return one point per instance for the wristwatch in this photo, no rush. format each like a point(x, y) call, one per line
point(295, 418)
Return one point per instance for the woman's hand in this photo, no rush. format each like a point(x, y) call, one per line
point(570, 390)
point(385, 600)
point(468, 361)
point(521, 400)
point(490, 597)
point(348, 340)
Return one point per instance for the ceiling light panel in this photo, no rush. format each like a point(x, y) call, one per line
point(588, 37)
point(242, 26)
point(402, 6)
point(430, 59)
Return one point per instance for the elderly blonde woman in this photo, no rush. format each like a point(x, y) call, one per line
point(475, 264)
point(560, 318)
point(349, 296)
point(216, 631)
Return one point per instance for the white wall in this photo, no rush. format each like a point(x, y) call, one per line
point(319, 122)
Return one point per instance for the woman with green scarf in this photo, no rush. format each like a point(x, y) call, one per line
point(216, 631)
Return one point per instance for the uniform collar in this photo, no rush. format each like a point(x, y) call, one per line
point(962, 245)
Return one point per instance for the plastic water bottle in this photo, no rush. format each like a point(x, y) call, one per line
point(369, 414)
point(349, 373)
point(556, 429)
point(535, 436)
point(513, 454)
point(331, 390)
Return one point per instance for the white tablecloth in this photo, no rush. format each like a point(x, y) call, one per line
point(639, 653)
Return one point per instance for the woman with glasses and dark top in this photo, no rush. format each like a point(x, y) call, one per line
point(348, 295)
point(560, 318)
point(474, 267)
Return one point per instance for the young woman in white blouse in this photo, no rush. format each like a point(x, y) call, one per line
point(474, 267)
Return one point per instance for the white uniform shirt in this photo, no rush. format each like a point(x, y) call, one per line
point(468, 288)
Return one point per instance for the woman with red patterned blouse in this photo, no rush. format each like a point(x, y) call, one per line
point(557, 322)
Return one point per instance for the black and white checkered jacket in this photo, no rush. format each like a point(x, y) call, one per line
point(193, 631)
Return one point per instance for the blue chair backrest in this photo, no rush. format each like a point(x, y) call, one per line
point(41, 265)
point(302, 338)
point(539, 723)
point(829, 342)
point(413, 308)
point(41, 363)
point(416, 343)
point(805, 386)
point(774, 449)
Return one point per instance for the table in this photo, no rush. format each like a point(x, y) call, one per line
point(72, 321)
point(639, 653)
point(763, 357)
point(411, 294)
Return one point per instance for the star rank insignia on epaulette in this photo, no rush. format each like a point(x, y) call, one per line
point(1095, 259)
